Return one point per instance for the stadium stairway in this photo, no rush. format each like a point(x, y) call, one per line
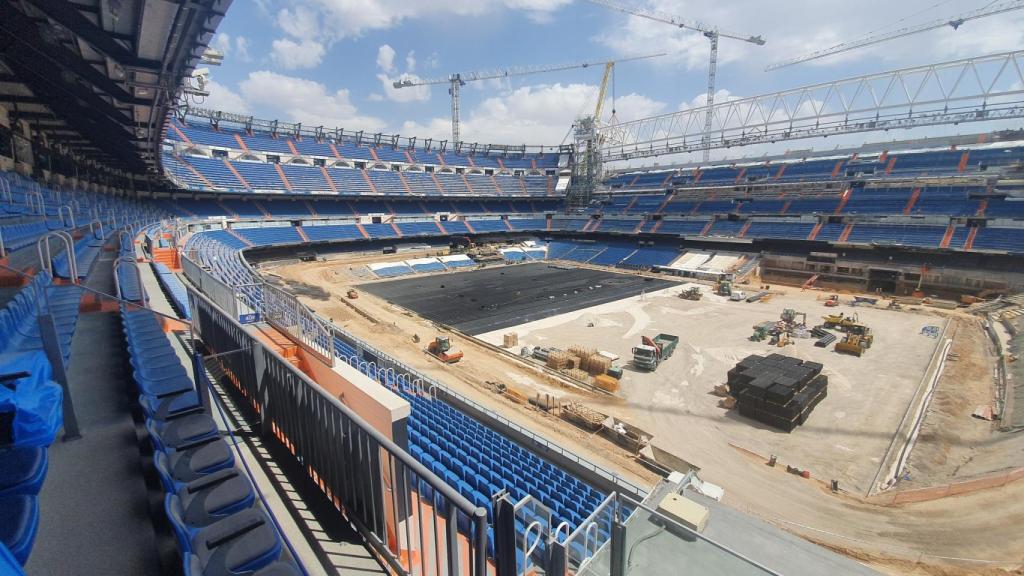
point(96, 480)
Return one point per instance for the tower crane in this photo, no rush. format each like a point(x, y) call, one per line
point(712, 33)
point(459, 79)
point(876, 38)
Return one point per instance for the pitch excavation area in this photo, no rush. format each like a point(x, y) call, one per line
point(495, 298)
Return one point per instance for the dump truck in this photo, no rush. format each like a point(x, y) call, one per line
point(652, 352)
point(441, 348)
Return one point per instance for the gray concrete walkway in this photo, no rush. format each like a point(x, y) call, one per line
point(94, 517)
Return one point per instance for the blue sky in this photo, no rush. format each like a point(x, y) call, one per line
point(331, 62)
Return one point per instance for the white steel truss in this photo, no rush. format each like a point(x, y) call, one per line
point(968, 90)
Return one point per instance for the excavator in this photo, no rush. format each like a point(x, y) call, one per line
point(441, 348)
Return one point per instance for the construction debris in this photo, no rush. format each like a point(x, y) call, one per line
point(510, 340)
point(582, 415)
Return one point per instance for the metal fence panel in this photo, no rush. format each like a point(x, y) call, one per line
point(393, 500)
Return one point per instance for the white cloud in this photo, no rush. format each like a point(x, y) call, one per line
point(301, 100)
point(388, 75)
point(223, 98)
point(332, 20)
point(790, 29)
point(290, 55)
point(721, 95)
point(540, 114)
point(222, 42)
point(386, 59)
point(242, 48)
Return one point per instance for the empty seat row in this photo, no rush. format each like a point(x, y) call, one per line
point(19, 323)
point(211, 505)
point(173, 288)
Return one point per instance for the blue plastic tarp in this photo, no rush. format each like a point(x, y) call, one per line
point(9, 566)
point(26, 389)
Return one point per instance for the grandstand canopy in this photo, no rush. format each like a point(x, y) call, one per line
point(99, 76)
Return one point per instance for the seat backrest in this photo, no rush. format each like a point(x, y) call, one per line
point(162, 465)
point(176, 515)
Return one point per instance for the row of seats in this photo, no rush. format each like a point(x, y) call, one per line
point(954, 201)
point(211, 504)
point(173, 288)
point(19, 324)
point(200, 173)
point(87, 249)
point(478, 461)
point(897, 164)
point(200, 132)
point(327, 208)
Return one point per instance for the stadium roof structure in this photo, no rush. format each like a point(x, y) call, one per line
point(100, 76)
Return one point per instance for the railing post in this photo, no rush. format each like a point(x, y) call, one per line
point(51, 346)
point(259, 361)
point(202, 381)
point(505, 537)
point(480, 557)
point(452, 539)
point(3, 249)
point(618, 548)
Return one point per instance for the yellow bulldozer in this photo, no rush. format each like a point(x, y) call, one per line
point(855, 344)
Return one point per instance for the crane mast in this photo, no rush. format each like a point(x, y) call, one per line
point(712, 33)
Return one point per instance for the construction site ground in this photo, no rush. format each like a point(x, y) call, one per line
point(845, 438)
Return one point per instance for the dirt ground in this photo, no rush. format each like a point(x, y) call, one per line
point(845, 438)
point(953, 445)
point(918, 538)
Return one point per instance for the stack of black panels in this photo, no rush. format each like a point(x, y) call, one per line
point(777, 390)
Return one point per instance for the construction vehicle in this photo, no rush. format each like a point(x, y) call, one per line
point(790, 316)
point(762, 331)
point(691, 294)
point(737, 295)
point(854, 344)
point(651, 353)
point(841, 322)
point(724, 288)
point(832, 301)
point(441, 348)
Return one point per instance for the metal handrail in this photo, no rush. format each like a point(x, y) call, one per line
point(69, 245)
point(30, 201)
point(92, 230)
point(71, 215)
point(3, 249)
point(457, 502)
point(5, 190)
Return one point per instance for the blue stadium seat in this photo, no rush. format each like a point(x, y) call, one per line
point(21, 521)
